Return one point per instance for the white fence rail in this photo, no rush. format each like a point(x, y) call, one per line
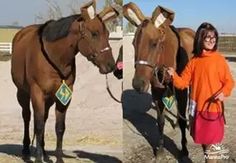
point(6, 47)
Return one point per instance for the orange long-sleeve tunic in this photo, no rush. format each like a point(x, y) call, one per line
point(206, 75)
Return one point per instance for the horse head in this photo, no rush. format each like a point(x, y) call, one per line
point(150, 40)
point(94, 36)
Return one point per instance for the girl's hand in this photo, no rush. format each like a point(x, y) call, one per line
point(170, 71)
point(220, 96)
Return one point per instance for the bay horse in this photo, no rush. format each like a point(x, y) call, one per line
point(43, 63)
point(157, 45)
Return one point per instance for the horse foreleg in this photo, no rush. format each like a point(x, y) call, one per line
point(60, 129)
point(24, 100)
point(48, 104)
point(182, 104)
point(38, 103)
point(161, 124)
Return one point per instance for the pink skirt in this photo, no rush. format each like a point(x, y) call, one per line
point(207, 128)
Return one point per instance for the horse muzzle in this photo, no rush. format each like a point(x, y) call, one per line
point(140, 85)
point(107, 68)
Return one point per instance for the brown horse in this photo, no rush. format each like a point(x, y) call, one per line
point(158, 45)
point(44, 57)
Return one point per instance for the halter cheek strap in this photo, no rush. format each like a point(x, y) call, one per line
point(84, 36)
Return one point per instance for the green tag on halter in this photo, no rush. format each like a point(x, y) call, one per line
point(64, 93)
point(168, 101)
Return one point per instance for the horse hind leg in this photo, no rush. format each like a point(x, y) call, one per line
point(24, 101)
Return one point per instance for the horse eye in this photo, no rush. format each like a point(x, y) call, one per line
point(94, 34)
point(153, 45)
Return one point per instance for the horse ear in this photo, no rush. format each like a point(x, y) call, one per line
point(88, 11)
point(108, 13)
point(133, 14)
point(162, 15)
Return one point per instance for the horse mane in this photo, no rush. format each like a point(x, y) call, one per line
point(145, 23)
point(182, 56)
point(53, 30)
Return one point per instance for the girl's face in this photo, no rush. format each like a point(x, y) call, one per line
point(209, 41)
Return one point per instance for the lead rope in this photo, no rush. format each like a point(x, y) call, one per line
point(110, 93)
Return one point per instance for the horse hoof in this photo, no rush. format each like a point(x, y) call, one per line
point(46, 158)
point(25, 152)
point(26, 158)
point(184, 152)
point(160, 151)
point(38, 161)
point(59, 160)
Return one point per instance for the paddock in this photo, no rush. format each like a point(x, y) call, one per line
point(139, 125)
point(93, 122)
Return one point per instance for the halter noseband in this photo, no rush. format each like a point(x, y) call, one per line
point(155, 68)
point(145, 63)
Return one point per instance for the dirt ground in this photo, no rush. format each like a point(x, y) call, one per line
point(93, 122)
point(94, 129)
point(140, 132)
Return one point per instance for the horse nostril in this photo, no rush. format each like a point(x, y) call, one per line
point(93, 56)
point(138, 84)
point(112, 66)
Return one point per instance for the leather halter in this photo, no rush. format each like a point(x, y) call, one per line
point(146, 63)
point(156, 69)
point(84, 36)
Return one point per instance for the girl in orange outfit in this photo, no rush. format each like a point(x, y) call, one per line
point(209, 77)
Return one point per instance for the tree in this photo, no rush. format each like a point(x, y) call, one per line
point(54, 12)
point(117, 4)
point(15, 23)
point(129, 28)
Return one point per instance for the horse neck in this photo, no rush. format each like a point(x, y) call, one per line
point(169, 49)
point(62, 53)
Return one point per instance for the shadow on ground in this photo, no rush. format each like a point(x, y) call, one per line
point(15, 150)
point(135, 107)
point(98, 158)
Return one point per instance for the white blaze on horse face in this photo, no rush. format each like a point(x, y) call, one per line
point(91, 12)
point(108, 16)
point(159, 20)
point(134, 17)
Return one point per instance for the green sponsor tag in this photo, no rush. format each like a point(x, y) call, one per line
point(168, 101)
point(64, 93)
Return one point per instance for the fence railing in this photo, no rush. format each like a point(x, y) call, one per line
point(227, 43)
point(6, 47)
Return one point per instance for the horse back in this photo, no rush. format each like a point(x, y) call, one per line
point(186, 38)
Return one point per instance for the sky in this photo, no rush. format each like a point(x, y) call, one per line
point(191, 13)
point(25, 11)
point(188, 13)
